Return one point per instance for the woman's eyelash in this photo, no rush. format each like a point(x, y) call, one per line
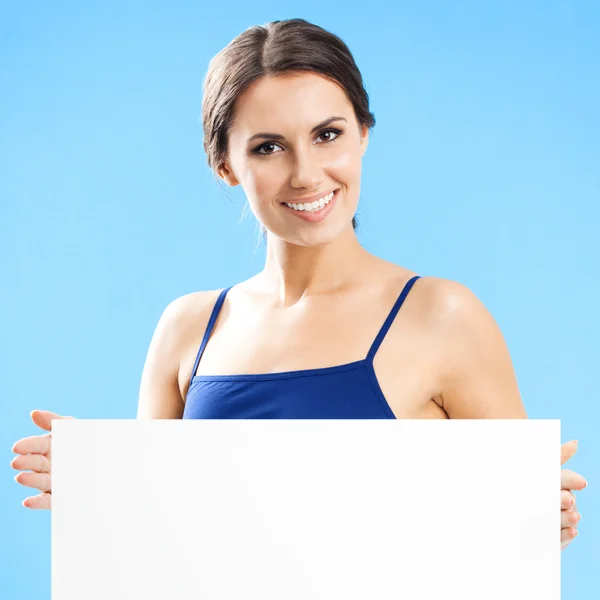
point(335, 130)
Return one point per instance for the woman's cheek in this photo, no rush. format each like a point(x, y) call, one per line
point(345, 167)
point(260, 192)
point(263, 194)
point(266, 179)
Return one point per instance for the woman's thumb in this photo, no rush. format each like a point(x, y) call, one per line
point(43, 418)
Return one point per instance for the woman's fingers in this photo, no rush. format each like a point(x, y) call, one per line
point(31, 462)
point(569, 518)
point(39, 481)
point(43, 418)
point(567, 499)
point(568, 450)
point(569, 480)
point(34, 456)
point(566, 537)
point(41, 501)
point(35, 444)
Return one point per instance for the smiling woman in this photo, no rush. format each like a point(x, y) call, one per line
point(282, 49)
point(326, 329)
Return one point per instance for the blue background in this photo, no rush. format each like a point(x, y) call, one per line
point(483, 167)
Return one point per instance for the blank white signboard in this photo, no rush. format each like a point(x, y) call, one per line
point(306, 509)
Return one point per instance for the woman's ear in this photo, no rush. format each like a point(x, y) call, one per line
point(364, 140)
point(227, 175)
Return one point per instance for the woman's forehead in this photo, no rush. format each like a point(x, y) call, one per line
point(299, 100)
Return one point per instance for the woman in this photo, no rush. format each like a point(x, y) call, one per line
point(326, 329)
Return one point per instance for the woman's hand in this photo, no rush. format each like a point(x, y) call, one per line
point(35, 456)
point(569, 481)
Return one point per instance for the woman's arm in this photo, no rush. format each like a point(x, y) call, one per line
point(164, 377)
point(478, 378)
point(479, 381)
point(160, 396)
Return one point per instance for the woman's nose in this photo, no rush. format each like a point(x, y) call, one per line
point(306, 171)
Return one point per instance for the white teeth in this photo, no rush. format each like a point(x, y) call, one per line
point(312, 206)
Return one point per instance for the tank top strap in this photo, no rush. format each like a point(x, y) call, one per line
point(211, 323)
point(390, 319)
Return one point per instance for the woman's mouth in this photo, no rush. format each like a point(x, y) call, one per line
point(316, 211)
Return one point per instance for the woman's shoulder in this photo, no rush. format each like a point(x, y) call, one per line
point(447, 306)
point(451, 309)
point(183, 312)
point(474, 366)
point(435, 297)
point(160, 390)
point(447, 298)
point(192, 302)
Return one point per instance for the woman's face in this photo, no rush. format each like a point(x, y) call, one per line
point(294, 140)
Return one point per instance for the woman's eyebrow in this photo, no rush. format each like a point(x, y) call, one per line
point(278, 136)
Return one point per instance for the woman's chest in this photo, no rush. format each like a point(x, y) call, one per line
point(402, 371)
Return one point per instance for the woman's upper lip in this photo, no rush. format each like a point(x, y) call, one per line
point(309, 198)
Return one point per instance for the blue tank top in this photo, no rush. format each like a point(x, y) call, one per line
point(349, 391)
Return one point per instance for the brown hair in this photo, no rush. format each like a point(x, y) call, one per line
point(277, 48)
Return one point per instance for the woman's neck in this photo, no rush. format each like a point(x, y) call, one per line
point(294, 272)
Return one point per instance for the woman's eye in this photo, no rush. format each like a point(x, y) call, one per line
point(328, 133)
point(266, 147)
point(332, 134)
